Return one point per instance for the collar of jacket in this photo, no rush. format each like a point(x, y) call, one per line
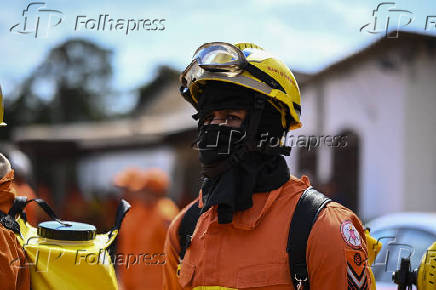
point(262, 202)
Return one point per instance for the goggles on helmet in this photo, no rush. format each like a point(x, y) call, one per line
point(225, 59)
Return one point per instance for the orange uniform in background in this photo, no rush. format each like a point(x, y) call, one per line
point(250, 252)
point(14, 274)
point(75, 206)
point(140, 257)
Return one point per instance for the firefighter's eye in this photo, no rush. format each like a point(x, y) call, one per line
point(233, 118)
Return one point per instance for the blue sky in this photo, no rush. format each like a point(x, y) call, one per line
point(307, 34)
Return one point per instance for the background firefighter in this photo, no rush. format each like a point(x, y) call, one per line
point(143, 232)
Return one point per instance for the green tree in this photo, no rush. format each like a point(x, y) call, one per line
point(147, 92)
point(69, 85)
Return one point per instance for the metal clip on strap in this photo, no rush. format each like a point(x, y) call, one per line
point(301, 282)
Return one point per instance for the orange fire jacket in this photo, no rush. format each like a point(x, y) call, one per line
point(14, 274)
point(250, 253)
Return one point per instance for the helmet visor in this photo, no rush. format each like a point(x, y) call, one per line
point(219, 57)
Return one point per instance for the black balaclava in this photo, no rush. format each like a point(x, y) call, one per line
point(232, 187)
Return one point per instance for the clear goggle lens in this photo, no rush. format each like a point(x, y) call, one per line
point(217, 54)
point(217, 57)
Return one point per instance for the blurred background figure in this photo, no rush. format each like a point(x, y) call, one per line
point(23, 176)
point(144, 228)
point(75, 206)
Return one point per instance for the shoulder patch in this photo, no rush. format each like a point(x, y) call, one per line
point(350, 235)
point(357, 272)
point(357, 278)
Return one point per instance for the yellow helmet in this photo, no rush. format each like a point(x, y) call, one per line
point(426, 279)
point(2, 124)
point(247, 65)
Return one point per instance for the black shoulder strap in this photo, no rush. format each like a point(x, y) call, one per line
point(20, 202)
point(8, 219)
point(306, 212)
point(9, 222)
point(18, 206)
point(187, 227)
point(122, 209)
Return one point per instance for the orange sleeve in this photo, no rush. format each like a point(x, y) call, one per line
point(14, 274)
point(171, 250)
point(337, 253)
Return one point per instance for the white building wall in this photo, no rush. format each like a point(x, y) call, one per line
point(309, 119)
point(419, 179)
point(96, 172)
point(369, 101)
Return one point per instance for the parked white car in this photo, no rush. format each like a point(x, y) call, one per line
point(402, 235)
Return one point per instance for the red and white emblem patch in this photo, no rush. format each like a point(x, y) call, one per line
point(350, 234)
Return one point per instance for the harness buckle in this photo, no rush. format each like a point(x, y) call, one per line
point(300, 282)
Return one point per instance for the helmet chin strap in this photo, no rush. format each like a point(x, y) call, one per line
point(255, 116)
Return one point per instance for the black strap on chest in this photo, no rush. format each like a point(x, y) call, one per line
point(187, 227)
point(306, 212)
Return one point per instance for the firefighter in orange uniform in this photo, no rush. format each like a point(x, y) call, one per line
point(140, 255)
point(14, 274)
point(245, 229)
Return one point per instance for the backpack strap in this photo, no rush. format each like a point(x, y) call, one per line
point(187, 227)
point(18, 206)
point(20, 202)
point(9, 223)
point(8, 219)
point(306, 212)
point(122, 209)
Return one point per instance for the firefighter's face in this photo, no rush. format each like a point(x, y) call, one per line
point(231, 118)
